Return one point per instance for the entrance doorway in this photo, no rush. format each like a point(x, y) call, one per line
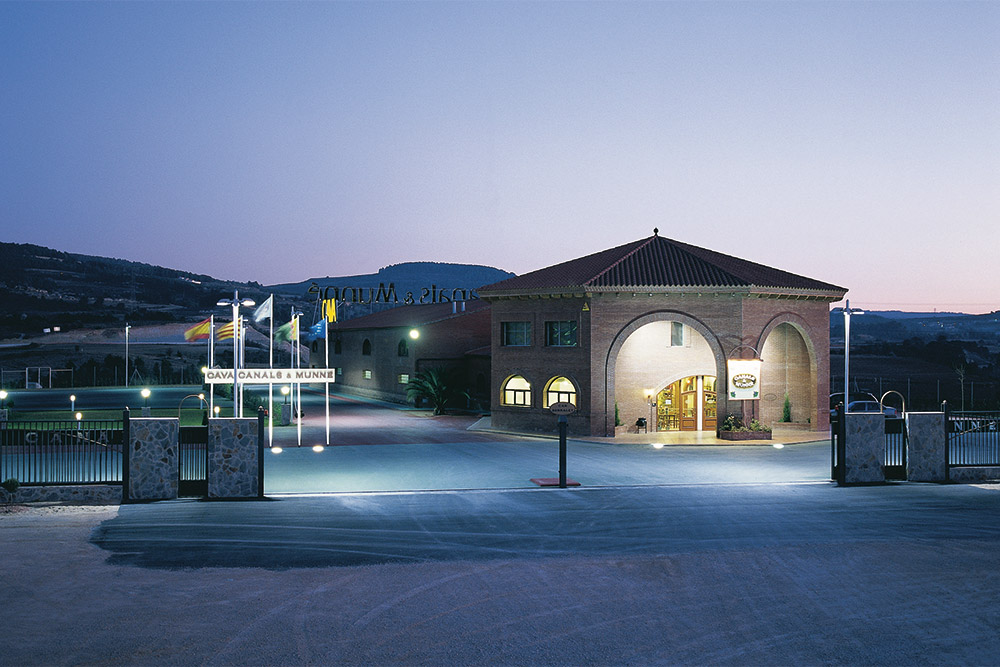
point(687, 405)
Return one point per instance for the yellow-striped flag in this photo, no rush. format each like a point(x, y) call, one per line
point(225, 332)
point(330, 309)
point(197, 332)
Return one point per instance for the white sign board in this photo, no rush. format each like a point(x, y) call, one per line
point(744, 379)
point(271, 375)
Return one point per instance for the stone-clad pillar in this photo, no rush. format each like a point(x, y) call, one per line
point(925, 447)
point(152, 458)
point(233, 457)
point(865, 448)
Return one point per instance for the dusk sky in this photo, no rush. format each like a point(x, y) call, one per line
point(856, 143)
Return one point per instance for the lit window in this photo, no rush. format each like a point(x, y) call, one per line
point(560, 390)
point(340, 371)
point(676, 334)
point(367, 374)
point(560, 334)
point(516, 391)
point(515, 334)
point(404, 378)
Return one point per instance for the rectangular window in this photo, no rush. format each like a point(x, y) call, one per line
point(560, 334)
point(676, 334)
point(368, 374)
point(515, 334)
point(404, 378)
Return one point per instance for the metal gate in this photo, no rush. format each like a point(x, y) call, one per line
point(192, 469)
point(894, 464)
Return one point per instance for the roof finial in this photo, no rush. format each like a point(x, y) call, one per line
point(656, 232)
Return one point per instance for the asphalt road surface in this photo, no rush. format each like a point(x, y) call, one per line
point(782, 574)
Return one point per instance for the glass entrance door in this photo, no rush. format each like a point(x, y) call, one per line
point(681, 403)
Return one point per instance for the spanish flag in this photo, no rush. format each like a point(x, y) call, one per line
point(225, 332)
point(197, 332)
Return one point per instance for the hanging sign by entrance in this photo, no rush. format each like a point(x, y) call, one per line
point(744, 379)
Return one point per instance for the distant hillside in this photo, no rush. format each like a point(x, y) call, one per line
point(895, 326)
point(45, 288)
point(407, 276)
point(420, 282)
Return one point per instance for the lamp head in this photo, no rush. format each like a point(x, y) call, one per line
point(145, 392)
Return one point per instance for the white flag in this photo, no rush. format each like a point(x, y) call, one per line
point(263, 311)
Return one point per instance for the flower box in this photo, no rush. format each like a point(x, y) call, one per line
point(745, 435)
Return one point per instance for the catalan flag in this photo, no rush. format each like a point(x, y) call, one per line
point(225, 332)
point(199, 331)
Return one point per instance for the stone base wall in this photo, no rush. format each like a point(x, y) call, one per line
point(153, 458)
point(83, 494)
point(975, 475)
point(865, 449)
point(233, 455)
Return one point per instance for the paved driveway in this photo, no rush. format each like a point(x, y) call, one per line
point(383, 448)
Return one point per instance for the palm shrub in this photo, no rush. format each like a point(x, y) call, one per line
point(433, 385)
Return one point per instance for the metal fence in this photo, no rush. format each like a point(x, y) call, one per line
point(62, 452)
point(973, 438)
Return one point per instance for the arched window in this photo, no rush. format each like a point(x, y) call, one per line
point(366, 348)
point(516, 391)
point(336, 346)
point(560, 390)
point(315, 346)
point(403, 349)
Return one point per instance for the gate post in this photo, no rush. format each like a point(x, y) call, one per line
point(947, 440)
point(926, 451)
point(864, 449)
point(152, 446)
point(126, 438)
point(234, 458)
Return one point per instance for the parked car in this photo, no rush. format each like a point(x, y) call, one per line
point(871, 406)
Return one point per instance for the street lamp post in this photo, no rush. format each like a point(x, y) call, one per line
point(145, 401)
point(848, 311)
point(72, 402)
point(285, 411)
point(127, 327)
point(235, 303)
point(3, 405)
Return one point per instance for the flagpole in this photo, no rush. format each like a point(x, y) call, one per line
point(211, 364)
point(270, 385)
point(298, 385)
point(326, 353)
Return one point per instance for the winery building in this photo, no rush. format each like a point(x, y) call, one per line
point(645, 330)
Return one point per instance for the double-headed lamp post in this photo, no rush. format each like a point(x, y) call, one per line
point(235, 303)
point(848, 311)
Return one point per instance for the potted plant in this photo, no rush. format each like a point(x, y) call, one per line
point(733, 428)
